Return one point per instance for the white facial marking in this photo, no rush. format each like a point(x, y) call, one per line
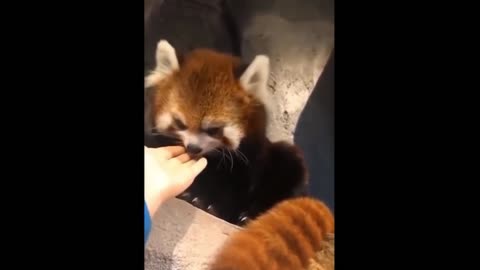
point(234, 134)
point(163, 121)
point(205, 142)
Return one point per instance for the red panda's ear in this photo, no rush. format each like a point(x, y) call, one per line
point(166, 63)
point(254, 78)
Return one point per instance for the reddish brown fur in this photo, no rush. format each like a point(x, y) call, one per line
point(205, 85)
point(285, 237)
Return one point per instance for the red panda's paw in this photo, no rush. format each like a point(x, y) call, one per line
point(211, 209)
point(192, 199)
point(185, 196)
point(243, 219)
point(198, 203)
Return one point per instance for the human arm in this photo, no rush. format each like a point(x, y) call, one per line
point(168, 172)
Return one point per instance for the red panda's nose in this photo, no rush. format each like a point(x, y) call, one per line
point(193, 149)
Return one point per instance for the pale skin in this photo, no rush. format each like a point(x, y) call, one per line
point(168, 172)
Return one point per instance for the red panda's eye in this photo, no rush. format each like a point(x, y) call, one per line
point(179, 124)
point(214, 131)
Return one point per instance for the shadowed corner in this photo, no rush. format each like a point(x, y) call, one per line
point(314, 134)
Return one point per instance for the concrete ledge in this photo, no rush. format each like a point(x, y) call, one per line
point(184, 237)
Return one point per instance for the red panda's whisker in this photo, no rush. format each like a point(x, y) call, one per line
point(238, 156)
point(242, 156)
point(223, 149)
point(221, 160)
point(231, 159)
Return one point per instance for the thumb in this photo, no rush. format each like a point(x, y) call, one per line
point(198, 167)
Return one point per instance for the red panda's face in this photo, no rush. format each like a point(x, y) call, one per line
point(200, 135)
point(202, 101)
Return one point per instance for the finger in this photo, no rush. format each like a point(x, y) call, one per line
point(183, 158)
point(179, 160)
point(189, 163)
point(197, 167)
point(167, 152)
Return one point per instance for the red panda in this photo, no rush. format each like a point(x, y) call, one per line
point(289, 236)
point(217, 107)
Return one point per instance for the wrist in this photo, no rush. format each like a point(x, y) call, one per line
point(153, 193)
point(153, 202)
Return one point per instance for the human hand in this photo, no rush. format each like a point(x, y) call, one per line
point(168, 172)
